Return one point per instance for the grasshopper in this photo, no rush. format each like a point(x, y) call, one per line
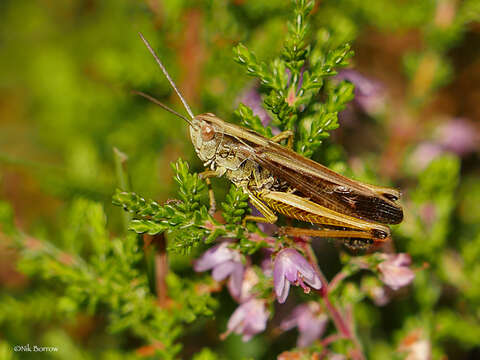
point(278, 180)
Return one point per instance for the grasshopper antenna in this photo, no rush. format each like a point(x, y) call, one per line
point(165, 72)
point(162, 105)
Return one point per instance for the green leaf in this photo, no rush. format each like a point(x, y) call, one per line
point(147, 226)
point(235, 205)
point(251, 121)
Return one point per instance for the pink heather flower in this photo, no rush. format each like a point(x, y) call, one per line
point(394, 271)
point(310, 320)
point(458, 136)
point(424, 153)
point(224, 262)
point(248, 319)
point(291, 267)
point(428, 213)
point(379, 295)
point(378, 292)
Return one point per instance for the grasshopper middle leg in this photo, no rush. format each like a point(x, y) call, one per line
point(268, 215)
point(287, 134)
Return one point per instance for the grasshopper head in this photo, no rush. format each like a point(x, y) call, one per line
point(205, 137)
point(213, 144)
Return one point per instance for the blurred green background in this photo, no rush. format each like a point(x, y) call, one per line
point(67, 69)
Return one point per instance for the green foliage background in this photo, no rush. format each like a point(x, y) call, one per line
point(73, 276)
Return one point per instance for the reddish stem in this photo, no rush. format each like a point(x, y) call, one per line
point(337, 317)
point(335, 314)
point(341, 322)
point(336, 281)
point(330, 339)
point(161, 268)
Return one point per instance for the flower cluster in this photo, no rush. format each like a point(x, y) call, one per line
point(289, 267)
point(251, 316)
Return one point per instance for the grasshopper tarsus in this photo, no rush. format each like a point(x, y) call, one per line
point(356, 245)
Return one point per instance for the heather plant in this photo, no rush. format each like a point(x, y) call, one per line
point(112, 248)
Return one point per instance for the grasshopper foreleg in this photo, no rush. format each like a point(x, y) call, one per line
point(287, 134)
point(207, 174)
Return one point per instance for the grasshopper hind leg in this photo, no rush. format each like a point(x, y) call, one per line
point(354, 240)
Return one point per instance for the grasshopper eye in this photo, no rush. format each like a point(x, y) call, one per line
point(207, 132)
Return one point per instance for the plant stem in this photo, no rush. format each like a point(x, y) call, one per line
point(161, 268)
point(341, 323)
point(336, 281)
point(122, 180)
point(337, 317)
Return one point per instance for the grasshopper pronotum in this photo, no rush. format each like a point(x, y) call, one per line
point(277, 179)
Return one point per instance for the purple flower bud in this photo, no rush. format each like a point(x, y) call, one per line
point(250, 279)
point(248, 319)
point(394, 271)
point(369, 94)
point(224, 262)
point(310, 320)
point(253, 100)
point(291, 267)
point(457, 136)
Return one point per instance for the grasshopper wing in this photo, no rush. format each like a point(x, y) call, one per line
point(327, 188)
